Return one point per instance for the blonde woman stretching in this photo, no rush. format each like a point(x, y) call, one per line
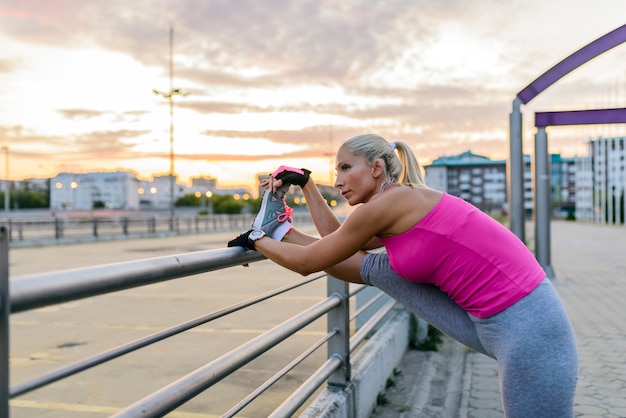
point(446, 261)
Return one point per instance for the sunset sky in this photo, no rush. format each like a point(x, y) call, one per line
point(270, 82)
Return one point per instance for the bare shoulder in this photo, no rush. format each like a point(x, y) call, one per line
point(404, 207)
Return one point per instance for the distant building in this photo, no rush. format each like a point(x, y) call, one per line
point(482, 181)
point(41, 185)
point(472, 177)
point(602, 174)
point(584, 190)
point(203, 185)
point(157, 194)
point(123, 190)
point(563, 187)
point(114, 190)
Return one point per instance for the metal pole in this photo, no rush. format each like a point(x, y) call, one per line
point(4, 322)
point(170, 97)
point(171, 100)
point(542, 201)
point(516, 172)
point(6, 181)
point(339, 320)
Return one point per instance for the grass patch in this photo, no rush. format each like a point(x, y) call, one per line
point(432, 341)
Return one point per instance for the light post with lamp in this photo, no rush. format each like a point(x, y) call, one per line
point(169, 95)
point(204, 200)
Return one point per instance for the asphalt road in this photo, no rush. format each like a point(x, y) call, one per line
point(46, 339)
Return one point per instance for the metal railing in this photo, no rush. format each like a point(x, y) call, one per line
point(45, 290)
point(105, 226)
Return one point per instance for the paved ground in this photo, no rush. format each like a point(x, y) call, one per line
point(589, 262)
point(45, 339)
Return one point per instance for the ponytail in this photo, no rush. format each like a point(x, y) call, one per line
point(401, 166)
point(411, 170)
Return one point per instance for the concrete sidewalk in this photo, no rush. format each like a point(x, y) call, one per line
point(589, 262)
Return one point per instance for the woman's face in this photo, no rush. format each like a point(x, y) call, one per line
point(355, 178)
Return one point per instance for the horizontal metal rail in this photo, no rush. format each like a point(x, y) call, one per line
point(308, 388)
point(70, 227)
point(121, 350)
point(170, 397)
point(369, 303)
point(281, 373)
point(32, 292)
point(317, 379)
point(369, 326)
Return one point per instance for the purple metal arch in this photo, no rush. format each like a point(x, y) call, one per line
point(569, 64)
point(580, 117)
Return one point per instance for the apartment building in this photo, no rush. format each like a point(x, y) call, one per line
point(472, 177)
point(563, 187)
point(601, 182)
point(113, 190)
point(123, 190)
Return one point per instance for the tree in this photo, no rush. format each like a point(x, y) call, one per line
point(27, 199)
point(227, 204)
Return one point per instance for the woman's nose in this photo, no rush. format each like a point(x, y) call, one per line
point(337, 182)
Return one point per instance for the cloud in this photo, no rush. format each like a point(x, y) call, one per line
point(439, 75)
point(80, 113)
point(7, 66)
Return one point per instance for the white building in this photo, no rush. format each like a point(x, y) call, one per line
point(115, 190)
point(584, 190)
point(122, 190)
point(157, 194)
point(606, 169)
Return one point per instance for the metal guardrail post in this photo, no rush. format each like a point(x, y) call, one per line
point(58, 228)
point(516, 168)
point(339, 320)
point(4, 322)
point(152, 225)
point(542, 201)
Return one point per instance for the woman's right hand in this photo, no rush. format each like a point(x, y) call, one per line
point(285, 175)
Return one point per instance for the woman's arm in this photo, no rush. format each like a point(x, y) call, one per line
point(324, 218)
point(348, 270)
point(334, 248)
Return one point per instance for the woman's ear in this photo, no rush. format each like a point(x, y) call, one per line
point(378, 168)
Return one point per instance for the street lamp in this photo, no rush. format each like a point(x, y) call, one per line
point(169, 95)
point(6, 181)
point(199, 197)
point(204, 200)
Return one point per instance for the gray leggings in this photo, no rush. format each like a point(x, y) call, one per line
point(532, 341)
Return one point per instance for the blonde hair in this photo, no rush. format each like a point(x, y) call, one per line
point(401, 166)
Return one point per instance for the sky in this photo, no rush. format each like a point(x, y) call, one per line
point(271, 82)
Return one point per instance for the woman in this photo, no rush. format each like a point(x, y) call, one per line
point(446, 261)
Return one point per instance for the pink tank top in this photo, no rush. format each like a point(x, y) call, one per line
point(479, 263)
